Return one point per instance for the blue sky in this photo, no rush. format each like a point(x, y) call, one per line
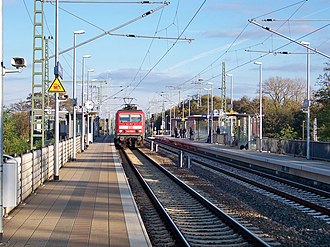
point(149, 67)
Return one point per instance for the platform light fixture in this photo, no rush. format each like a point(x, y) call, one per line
point(89, 101)
point(74, 93)
point(82, 103)
point(307, 102)
point(260, 102)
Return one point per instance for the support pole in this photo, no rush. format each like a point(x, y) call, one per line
point(57, 119)
point(309, 104)
point(1, 124)
point(180, 165)
point(188, 161)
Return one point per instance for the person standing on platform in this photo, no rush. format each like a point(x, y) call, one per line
point(209, 137)
point(176, 134)
point(218, 135)
point(181, 133)
point(191, 133)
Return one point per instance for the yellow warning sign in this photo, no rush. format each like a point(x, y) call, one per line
point(56, 87)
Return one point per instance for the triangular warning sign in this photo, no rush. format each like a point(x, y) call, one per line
point(56, 87)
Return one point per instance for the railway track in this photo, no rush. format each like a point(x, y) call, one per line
point(313, 201)
point(192, 218)
point(158, 231)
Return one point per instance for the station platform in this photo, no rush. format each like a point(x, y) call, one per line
point(316, 170)
point(91, 205)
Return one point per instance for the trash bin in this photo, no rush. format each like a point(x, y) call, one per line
point(10, 167)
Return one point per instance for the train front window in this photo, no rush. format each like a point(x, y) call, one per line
point(124, 118)
point(136, 118)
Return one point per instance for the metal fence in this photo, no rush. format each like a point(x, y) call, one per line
point(318, 150)
point(37, 166)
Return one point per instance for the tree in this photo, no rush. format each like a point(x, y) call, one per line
point(22, 125)
point(282, 105)
point(245, 105)
point(21, 106)
point(281, 90)
point(321, 107)
point(14, 141)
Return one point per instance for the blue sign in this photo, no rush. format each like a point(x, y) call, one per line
point(58, 70)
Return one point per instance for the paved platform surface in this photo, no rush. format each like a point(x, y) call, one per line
point(312, 169)
point(91, 205)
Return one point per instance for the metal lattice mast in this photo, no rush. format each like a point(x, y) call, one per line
point(38, 84)
point(47, 82)
point(223, 89)
point(46, 66)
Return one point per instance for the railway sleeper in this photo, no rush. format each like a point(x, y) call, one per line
point(220, 234)
point(193, 217)
point(213, 229)
point(218, 242)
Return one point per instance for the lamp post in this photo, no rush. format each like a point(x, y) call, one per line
point(303, 129)
point(74, 94)
point(170, 124)
point(260, 102)
point(231, 90)
point(211, 129)
point(166, 124)
point(89, 99)
point(92, 86)
point(82, 103)
point(189, 106)
point(183, 108)
point(57, 103)
point(1, 123)
point(231, 107)
point(208, 111)
point(308, 102)
point(88, 86)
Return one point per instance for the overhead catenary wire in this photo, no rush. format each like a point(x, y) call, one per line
point(262, 56)
point(104, 2)
point(294, 20)
point(113, 29)
point(209, 67)
point(245, 27)
point(149, 37)
point(227, 52)
point(212, 64)
point(151, 43)
point(148, 51)
point(103, 30)
point(28, 12)
point(162, 57)
point(294, 40)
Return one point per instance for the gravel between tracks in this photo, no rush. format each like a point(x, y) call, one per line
point(287, 225)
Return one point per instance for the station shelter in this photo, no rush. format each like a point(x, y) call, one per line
point(231, 128)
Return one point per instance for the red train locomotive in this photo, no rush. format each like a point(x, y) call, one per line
point(129, 127)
